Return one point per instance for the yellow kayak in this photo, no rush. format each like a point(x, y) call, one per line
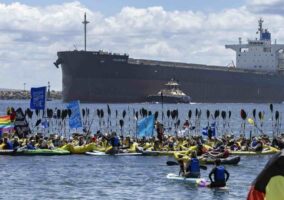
point(266, 151)
point(79, 149)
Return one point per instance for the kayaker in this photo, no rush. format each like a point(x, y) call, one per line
point(222, 152)
point(160, 131)
point(219, 173)
point(7, 144)
point(31, 145)
point(200, 149)
point(192, 169)
point(16, 143)
point(114, 142)
point(256, 145)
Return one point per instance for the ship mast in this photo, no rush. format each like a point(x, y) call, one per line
point(260, 29)
point(85, 22)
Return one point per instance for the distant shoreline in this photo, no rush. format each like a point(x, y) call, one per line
point(14, 94)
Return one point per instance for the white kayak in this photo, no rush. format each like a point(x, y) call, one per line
point(99, 153)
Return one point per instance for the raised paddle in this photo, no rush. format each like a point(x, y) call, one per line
point(251, 121)
point(172, 163)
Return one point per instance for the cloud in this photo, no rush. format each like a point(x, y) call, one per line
point(272, 7)
point(30, 36)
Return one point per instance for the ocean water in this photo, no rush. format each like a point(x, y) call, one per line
point(90, 177)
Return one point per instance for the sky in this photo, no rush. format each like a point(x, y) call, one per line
point(193, 31)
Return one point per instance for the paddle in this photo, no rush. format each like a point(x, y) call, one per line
point(172, 163)
point(251, 121)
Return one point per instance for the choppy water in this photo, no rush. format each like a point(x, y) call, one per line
point(88, 177)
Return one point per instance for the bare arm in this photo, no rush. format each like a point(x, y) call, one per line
point(227, 175)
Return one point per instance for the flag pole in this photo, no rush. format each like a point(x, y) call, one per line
point(162, 98)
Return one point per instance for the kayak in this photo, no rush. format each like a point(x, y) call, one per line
point(79, 149)
point(234, 160)
point(7, 152)
point(36, 152)
point(42, 152)
point(200, 182)
point(161, 153)
point(98, 153)
point(270, 150)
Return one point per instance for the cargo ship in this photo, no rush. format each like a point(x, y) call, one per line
point(104, 77)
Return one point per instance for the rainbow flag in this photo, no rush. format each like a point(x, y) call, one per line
point(5, 122)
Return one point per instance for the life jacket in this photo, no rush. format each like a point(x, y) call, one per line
point(31, 147)
point(194, 165)
point(115, 142)
point(8, 145)
point(220, 174)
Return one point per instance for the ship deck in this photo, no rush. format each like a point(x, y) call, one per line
point(194, 66)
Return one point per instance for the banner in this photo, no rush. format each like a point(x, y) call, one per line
point(38, 98)
point(21, 125)
point(145, 126)
point(75, 120)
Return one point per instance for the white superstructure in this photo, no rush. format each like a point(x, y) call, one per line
point(259, 54)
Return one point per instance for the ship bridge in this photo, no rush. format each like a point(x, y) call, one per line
point(259, 54)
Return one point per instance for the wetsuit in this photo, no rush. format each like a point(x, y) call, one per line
point(219, 176)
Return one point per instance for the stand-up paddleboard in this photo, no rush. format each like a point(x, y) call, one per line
point(98, 153)
point(200, 182)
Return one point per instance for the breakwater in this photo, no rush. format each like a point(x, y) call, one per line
point(10, 94)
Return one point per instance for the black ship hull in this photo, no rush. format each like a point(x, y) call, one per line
point(111, 78)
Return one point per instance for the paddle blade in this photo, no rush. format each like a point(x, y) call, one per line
point(171, 163)
point(250, 120)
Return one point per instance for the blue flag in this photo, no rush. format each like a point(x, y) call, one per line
point(75, 118)
point(205, 131)
point(38, 98)
point(213, 129)
point(45, 124)
point(145, 126)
